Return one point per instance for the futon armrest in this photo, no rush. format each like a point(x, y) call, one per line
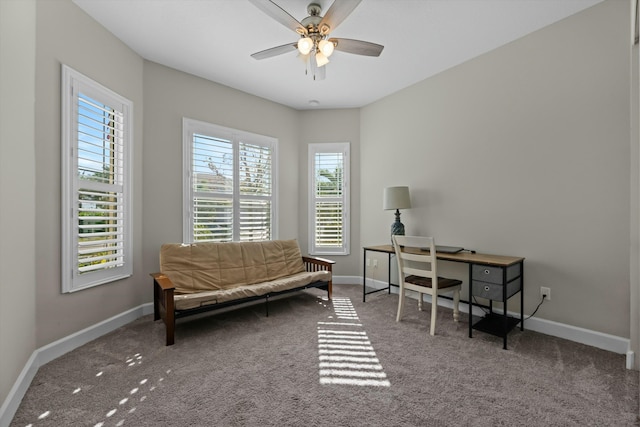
point(163, 281)
point(163, 304)
point(309, 260)
point(320, 264)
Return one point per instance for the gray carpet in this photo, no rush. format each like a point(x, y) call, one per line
point(319, 364)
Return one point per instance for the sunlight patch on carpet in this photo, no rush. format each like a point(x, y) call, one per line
point(339, 323)
point(126, 404)
point(139, 389)
point(345, 354)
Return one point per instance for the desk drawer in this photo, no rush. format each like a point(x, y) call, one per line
point(490, 274)
point(493, 291)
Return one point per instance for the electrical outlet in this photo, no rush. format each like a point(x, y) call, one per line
point(545, 293)
point(375, 263)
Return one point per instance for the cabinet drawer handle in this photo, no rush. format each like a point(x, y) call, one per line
point(486, 288)
point(487, 271)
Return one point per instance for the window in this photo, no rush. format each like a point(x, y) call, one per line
point(228, 184)
point(329, 199)
point(96, 182)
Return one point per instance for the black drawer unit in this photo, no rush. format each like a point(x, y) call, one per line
point(495, 283)
point(491, 274)
point(494, 291)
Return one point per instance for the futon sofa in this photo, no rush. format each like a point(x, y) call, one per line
point(200, 277)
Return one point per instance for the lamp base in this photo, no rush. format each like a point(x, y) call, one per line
point(397, 228)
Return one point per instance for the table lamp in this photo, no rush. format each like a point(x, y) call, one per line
point(396, 198)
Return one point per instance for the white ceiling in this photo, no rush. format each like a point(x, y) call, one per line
point(214, 39)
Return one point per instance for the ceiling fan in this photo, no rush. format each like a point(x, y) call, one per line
point(314, 44)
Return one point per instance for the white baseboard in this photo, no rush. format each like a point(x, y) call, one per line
point(56, 349)
point(630, 359)
point(17, 392)
point(597, 339)
point(346, 280)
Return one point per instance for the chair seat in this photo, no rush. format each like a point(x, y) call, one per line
point(418, 275)
point(443, 282)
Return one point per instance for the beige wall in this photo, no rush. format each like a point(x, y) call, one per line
point(634, 258)
point(171, 95)
point(17, 184)
point(522, 151)
point(322, 126)
point(66, 35)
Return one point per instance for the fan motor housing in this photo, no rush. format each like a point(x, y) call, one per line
point(314, 9)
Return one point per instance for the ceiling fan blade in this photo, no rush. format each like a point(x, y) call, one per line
point(338, 12)
point(280, 15)
point(274, 51)
point(357, 47)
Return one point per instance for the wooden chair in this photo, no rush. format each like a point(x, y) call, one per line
point(417, 271)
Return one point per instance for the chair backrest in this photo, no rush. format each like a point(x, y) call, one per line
point(413, 258)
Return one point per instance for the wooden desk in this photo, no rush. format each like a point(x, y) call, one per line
point(494, 277)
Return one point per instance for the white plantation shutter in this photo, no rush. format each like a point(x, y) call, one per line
point(329, 205)
point(329, 198)
point(96, 150)
point(229, 184)
point(212, 220)
point(212, 189)
point(255, 172)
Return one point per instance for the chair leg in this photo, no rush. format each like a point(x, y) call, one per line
point(420, 301)
point(456, 304)
point(400, 304)
point(434, 313)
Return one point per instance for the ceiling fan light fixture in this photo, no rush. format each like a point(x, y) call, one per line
point(321, 59)
point(324, 29)
point(305, 45)
point(314, 45)
point(326, 47)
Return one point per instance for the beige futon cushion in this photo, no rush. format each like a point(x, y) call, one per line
point(187, 301)
point(201, 267)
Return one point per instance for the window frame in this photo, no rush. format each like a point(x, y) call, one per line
point(75, 83)
point(191, 127)
point(329, 147)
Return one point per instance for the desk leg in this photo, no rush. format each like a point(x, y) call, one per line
point(389, 272)
point(364, 274)
point(504, 308)
point(364, 277)
point(506, 325)
point(522, 296)
point(470, 304)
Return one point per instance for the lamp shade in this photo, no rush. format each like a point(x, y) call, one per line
point(396, 198)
